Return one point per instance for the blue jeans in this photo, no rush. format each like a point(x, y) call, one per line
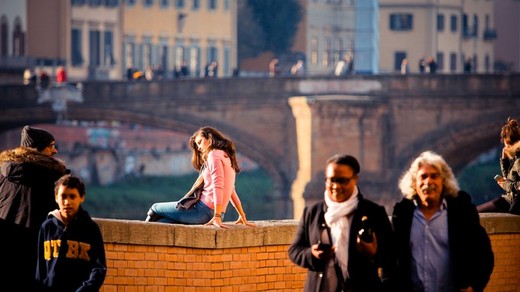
point(197, 214)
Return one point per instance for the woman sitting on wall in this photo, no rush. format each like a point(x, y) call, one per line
point(509, 181)
point(214, 156)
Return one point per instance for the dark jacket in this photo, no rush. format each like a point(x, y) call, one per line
point(470, 248)
point(26, 197)
point(27, 186)
point(510, 167)
point(363, 271)
point(80, 263)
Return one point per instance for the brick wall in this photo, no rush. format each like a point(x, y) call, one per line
point(165, 257)
point(136, 267)
point(504, 231)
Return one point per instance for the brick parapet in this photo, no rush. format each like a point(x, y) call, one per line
point(504, 231)
point(146, 256)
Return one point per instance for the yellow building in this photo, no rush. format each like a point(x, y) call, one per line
point(94, 39)
point(453, 32)
point(164, 34)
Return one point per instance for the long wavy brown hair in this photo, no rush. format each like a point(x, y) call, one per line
point(217, 141)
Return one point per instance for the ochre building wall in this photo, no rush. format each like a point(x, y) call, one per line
point(145, 256)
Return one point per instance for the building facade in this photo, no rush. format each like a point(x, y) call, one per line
point(167, 35)
point(82, 36)
point(13, 40)
point(458, 34)
point(13, 30)
point(325, 34)
point(507, 44)
point(102, 39)
point(330, 31)
point(366, 44)
point(94, 40)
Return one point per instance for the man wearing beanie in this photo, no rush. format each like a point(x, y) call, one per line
point(27, 176)
point(38, 139)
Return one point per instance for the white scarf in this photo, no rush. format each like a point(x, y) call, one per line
point(337, 218)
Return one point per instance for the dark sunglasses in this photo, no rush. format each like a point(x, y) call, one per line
point(339, 180)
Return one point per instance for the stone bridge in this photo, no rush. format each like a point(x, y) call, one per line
point(290, 126)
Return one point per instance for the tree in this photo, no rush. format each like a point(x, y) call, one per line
point(267, 25)
point(250, 36)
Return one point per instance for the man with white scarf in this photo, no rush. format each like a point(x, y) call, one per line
point(327, 241)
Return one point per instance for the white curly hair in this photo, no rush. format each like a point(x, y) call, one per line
point(449, 182)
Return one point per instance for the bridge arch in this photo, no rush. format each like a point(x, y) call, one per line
point(188, 124)
point(459, 142)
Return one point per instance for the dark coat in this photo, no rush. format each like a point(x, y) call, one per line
point(363, 271)
point(27, 186)
point(26, 197)
point(470, 248)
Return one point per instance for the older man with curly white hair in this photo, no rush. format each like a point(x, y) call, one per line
point(441, 245)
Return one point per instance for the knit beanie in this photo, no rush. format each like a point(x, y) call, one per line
point(35, 138)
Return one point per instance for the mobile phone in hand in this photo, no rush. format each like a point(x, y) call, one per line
point(498, 178)
point(324, 246)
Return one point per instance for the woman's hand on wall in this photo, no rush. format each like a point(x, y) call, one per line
point(242, 220)
point(217, 221)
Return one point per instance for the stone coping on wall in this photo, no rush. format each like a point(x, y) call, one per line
point(499, 223)
point(267, 232)
point(275, 232)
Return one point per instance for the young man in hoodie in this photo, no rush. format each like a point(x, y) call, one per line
point(71, 254)
point(27, 176)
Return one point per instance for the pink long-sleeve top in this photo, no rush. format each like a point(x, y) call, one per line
point(219, 180)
